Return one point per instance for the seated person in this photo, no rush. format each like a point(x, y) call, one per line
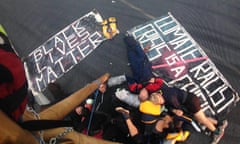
point(81, 118)
point(92, 113)
point(95, 117)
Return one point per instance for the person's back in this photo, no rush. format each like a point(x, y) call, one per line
point(13, 95)
point(13, 83)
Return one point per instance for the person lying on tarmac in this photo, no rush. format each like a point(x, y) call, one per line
point(180, 101)
point(141, 134)
point(175, 97)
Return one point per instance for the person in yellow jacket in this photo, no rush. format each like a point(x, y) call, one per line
point(151, 109)
point(155, 122)
point(151, 114)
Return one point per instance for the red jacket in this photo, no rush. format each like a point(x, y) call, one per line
point(151, 87)
point(13, 85)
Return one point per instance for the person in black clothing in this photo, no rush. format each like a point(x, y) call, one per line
point(101, 117)
point(179, 102)
point(137, 129)
point(13, 82)
point(91, 117)
point(81, 118)
point(174, 97)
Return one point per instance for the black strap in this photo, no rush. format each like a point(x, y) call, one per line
point(36, 125)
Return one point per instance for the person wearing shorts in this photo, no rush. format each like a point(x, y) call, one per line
point(179, 101)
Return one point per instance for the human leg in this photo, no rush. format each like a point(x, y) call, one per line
point(214, 121)
point(193, 104)
point(217, 132)
point(140, 65)
point(203, 119)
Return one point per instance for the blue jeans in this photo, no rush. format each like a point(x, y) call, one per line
point(140, 65)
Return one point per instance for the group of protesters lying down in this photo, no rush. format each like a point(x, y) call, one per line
point(141, 108)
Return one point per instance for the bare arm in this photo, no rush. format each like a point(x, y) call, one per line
point(11, 133)
point(131, 127)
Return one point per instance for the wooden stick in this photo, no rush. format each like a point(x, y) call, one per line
point(59, 110)
point(64, 107)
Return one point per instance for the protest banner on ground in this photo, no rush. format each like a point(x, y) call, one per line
point(180, 61)
point(60, 53)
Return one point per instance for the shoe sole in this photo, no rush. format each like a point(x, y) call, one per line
point(120, 109)
point(218, 139)
point(222, 133)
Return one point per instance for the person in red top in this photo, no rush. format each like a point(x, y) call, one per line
point(145, 84)
point(13, 83)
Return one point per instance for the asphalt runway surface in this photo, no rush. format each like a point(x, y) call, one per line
point(213, 24)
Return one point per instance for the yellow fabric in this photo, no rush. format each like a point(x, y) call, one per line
point(149, 107)
point(179, 137)
point(3, 30)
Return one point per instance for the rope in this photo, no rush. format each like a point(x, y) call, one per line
point(93, 108)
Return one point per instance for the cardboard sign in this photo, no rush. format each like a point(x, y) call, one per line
point(64, 50)
point(180, 61)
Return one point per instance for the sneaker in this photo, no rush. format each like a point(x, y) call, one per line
point(172, 135)
point(223, 125)
point(124, 112)
point(127, 97)
point(217, 137)
point(169, 141)
point(182, 136)
point(116, 80)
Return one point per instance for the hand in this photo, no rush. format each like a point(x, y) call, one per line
point(143, 95)
point(147, 47)
point(152, 80)
point(178, 112)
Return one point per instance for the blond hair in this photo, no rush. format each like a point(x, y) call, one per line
point(153, 97)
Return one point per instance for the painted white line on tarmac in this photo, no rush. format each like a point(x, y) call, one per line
point(137, 9)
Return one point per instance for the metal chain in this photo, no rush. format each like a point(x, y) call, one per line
point(66, 131)
point(37, 117)
point(54, 139)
